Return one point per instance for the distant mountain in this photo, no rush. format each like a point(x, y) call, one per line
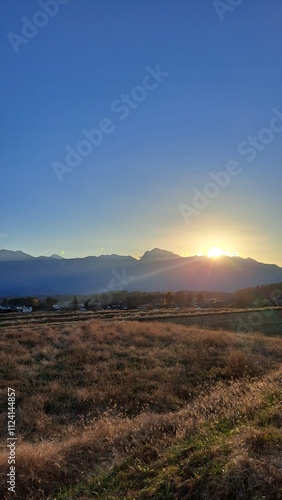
point(157, 254)
point(157, 270)
point(10, 255)
point(56, 256)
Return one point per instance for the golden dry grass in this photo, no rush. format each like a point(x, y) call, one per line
point(95, 395)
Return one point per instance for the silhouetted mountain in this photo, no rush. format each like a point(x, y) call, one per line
point(56, 256)
point(10, 255)
point(157, 270)
point(157, 254)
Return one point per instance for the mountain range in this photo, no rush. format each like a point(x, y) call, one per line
point(157, 270)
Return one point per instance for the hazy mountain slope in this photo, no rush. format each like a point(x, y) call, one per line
point(156, 270)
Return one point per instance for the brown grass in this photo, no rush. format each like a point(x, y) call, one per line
point(91, 395)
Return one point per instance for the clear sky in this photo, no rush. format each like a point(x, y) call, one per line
point(175, 90)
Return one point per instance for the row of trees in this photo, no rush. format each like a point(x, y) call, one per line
point(21, 301)
point(260, 295)
point(33, 302)
point(132, 300)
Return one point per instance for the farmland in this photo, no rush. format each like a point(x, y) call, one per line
point(133, 405)
point(266, 320)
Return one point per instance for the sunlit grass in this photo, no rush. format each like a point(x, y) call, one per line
point(149, 400)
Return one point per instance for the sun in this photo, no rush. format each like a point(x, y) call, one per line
point(215, 252)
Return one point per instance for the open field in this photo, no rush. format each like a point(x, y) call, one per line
point(266, 320)
point(121, 409)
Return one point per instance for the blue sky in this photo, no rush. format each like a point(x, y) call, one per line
point(223, 81)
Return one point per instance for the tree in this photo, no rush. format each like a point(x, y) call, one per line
point(131, 301)
point(244, 298)
point(200, 299)
point(33, 302)
point(50, 301)
point(169, 298)
point(87, 304)
point(105, 298)
point(189, 299)
point(179, 298)
point(75, 302)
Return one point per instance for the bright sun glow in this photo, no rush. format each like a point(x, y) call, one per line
point(214, 252)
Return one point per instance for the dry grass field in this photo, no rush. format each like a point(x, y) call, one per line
point(267, 320)
point(141, 410)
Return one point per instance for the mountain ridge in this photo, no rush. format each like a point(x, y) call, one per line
point(154, 254)
point(156, 270)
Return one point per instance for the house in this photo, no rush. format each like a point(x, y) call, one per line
point(27, 309)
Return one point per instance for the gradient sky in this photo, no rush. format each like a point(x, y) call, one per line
point(224, 80)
